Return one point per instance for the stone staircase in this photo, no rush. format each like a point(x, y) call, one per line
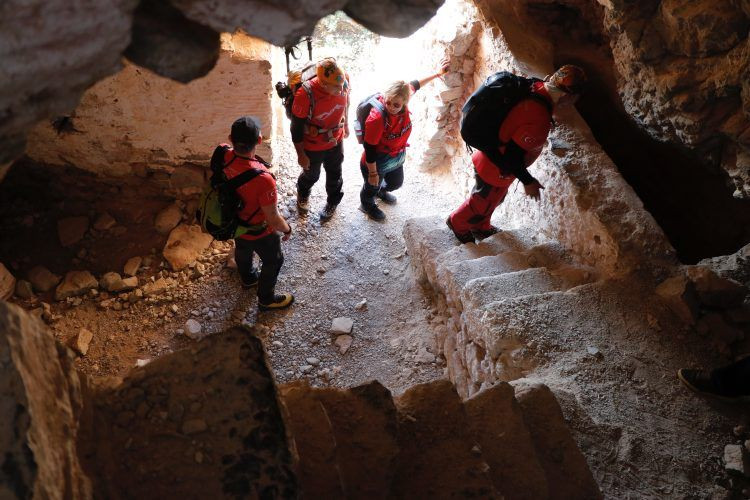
point(479, 286)
point(504, 442)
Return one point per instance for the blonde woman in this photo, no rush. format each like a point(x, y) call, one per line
point(384, 133)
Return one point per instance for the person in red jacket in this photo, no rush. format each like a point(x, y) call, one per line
point(319, 126)
point(522, 135)
point(260, 213)
point(385, 138)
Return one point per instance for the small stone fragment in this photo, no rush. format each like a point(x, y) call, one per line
point(341, 325)
point(362, 305)
point(313, 361)
point(24, 289)
point(142, 362)
point(80, 343)
point(343, 342)
point(132, 266)
point(306, 368)
point(104, 222)
point(75, 283)
point(167, 219)
point(734, 458)
point(42, 279)
point(193, 329)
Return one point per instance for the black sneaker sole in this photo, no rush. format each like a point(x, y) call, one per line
point(711, 395)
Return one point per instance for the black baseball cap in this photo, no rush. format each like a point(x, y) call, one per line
point(246, 130)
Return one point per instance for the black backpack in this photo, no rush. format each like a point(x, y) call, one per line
point(220, 203)
point(363, 111)
point(488, 106)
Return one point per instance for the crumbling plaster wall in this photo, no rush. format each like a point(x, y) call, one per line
point(137, 122)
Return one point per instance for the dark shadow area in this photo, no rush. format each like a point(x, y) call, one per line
point(691, 201)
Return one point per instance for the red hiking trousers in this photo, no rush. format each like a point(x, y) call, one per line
point(475, 213)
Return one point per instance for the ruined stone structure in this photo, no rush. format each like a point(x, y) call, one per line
point(642, 236)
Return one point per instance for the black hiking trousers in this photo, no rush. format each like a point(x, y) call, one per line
point(331, 160)
point(268, 249)
point(388, 182)
point(734, 378)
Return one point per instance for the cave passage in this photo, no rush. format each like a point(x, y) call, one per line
point(692, 203)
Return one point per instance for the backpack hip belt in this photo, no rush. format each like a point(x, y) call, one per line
point(313, 131)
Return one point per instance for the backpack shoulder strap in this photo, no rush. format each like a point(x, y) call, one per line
point(240, 180)
point(309, 92)
point(375, 102)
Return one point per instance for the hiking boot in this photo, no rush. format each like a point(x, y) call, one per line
point(462, 237)
point(373, 212)
point(481, 234)
point(303, 204)
point(327, 212)
point(280, 301)
point(700, 381)
point(251, 282)
point(386, 197)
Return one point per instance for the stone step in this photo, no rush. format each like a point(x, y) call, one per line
point(566, 470)
point(346, 439)
point(497, 422)
point(481, 291)
point(439, 457)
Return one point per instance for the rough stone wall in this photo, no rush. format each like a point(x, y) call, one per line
point(136, 121)
point(40, 404)
point(53, 51)
point(679, 67)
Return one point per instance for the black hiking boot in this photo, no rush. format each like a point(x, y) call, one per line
point(280, 301)
point(303, 203)
point(481, 234)
point(251, 282)
point(373, 212)
point(463, 238)
point(327, 212)
point(700, 382)
point(386, 197)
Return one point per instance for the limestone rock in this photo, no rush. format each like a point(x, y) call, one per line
point(734, 459)
point(7, 283)
point(132, 266)
point(42, 279)
point(71, 230)
point(39, 409)
point(185, 244)
point(341, 325)
point(343, 342)
point(104, 222)
point(155, 288)
point(167, 219)
point(24, 289)
point(679, 295)
point(113, 282)
point(193, 329)
point(80, 343)
point(715, 291)
point(75, 283)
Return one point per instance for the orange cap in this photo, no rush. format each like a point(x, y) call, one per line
point(329, 72)
point(569, 78)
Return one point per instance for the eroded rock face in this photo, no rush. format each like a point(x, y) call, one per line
point(680, 66)
point(40, 404)
point(151, 124)
point(47, 68)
